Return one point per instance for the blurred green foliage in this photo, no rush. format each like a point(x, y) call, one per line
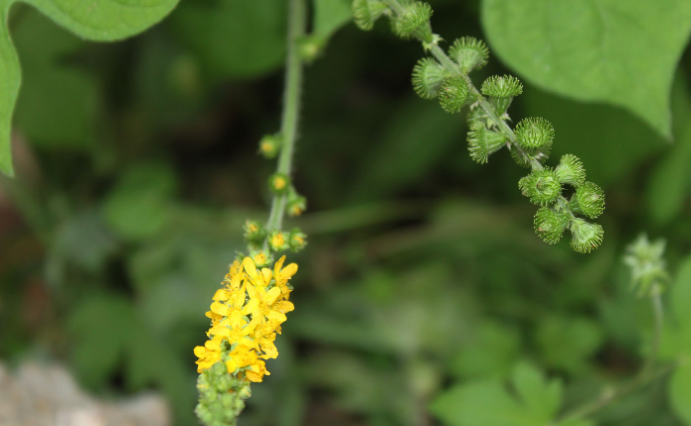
point(424, 296)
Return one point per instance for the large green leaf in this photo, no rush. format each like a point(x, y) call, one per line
point(680, 393)
point(102, 20)
point(620, 52)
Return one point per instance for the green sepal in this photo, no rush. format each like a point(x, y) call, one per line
point(542, 187)
point(453, 95)
point(428, 77)
point(483, 142)
point(366, 12)
point(297, 240)
point(534, 133)
point(588, 200)
point(585, 236)
point(414, 21)
point(469, 53)
point(571, 170)
point(550, 224)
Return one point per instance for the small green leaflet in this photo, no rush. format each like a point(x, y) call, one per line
point(100, 20)
point(623, 53)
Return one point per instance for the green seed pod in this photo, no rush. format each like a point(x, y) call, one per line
point(534, 133)
point(279, 183)
point(414, 20)
point(506, 86)
point(483, 142)
point(469, 53)
point(502, 90)
point(585, 236)
point(428, 77)
point(541, 186)
point(453, 94)
point(589, 200)
point(366, 12)
point(550, 225)
point(570, 170)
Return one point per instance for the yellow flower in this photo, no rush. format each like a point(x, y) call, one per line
point(283, 275)
point(278, 241)
point(257, 371)
point(209, 354)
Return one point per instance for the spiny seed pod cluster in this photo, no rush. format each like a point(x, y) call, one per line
point(445, 76)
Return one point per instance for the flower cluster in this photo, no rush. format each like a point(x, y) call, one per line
point(245, 316)
point(445, 76)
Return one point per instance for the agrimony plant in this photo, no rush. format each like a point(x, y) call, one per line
point(248, 310)
point(445, 75)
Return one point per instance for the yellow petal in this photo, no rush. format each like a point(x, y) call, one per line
point(220, 330)
point(266, 273)
point(279, 265)
point(220, 295)
point(271, 296)
point(219, 308)
point(250, 307)
point(289, 271)
point(231, 366)
point(284, 306)
point(199, 351)
point(213, 345)
point(277, 316)
point(250, 268)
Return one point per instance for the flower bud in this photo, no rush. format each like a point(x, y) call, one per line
point(428, 77)
point(366, 12)
point(277, 241)
point(414, 21)
point(469, 53)
point(297, 240)
point(570, 170)
point(585, 236)
point(541, 186)
point(589, 200)
point(482, 142)
point(534, 133)
point(311, 46)
point(261, 258)
point(279, 183)
point(550, 225)
point(453, 94)
point(502, 90)
point(296, 206)
point(648, 267)
point(254, 232)
point(270, 145)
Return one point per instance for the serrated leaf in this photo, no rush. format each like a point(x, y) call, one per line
point(485, 403)
point(540, 396)
point(101, 20)
point(620, 52)
point(567, 342)
point(491, 353)
point(680, 393)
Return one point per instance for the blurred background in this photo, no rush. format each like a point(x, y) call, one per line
point(137, 165)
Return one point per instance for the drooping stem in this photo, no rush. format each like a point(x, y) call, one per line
point(297, 19)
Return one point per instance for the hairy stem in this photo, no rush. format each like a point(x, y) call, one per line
point(297, 19)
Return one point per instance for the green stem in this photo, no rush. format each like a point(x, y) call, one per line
point(644, 377)
point(297, 19)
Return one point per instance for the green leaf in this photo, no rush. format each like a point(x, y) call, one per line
point(620, 52)
point(233, 38)
point(541, 397)
point(567, 342)
point(680, 393)
point(330, 15)
point(610, 142)
point(140, 204)
point(485, 403)
point(491, 353)
point(102, 20)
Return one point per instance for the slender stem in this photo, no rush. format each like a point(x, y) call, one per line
point(297, 19)
point(658, 316)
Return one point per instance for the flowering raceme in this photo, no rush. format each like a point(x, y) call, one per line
point(245, 316)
